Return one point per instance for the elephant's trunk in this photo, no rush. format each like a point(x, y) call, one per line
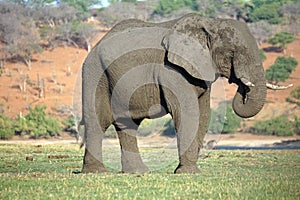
point(249, 100)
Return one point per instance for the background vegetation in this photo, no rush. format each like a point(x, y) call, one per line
point(281, 69)
point(28, 27)
point(294, 96)
point(279, 126)
point(221, 122)
point(36, 124)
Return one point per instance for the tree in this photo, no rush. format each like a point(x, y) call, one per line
point(207, 8)
point(81, 5)
point(281, 39)
point(291, 14)
point(237, 9)
point(165, 7)
point(54, 23)
point(32, 4)
point(281, 69)
point(266, 12)
point(261, 30)
point(65, 32)
point(120, 11)
point(18, 33)
point(130, 1)
point(291, 10)
point(294, 97)
point(56, 15)
point(87, 32)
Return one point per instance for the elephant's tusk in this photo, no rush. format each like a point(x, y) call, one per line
point(277, 87)
point(247, 82)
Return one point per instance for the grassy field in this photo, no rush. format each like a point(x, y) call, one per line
point(225, 175)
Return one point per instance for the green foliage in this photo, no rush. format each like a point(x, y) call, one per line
point(268, 12)
point(279, 126)
point(262, 55)
point(37, 124)
point(70, 124)
point(163, 126)
point(81, 5)
point(282, 39)
point(6, 128)
point(296, 93)
point(166, 7)
point(281, 69)
point(225, 124)
point(110, 132)
point(130, 1)
point(294, 96)
point(297, 125)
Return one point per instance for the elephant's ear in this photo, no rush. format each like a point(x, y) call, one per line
point(187, 52)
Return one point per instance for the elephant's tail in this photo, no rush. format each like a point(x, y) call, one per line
point(81, 133)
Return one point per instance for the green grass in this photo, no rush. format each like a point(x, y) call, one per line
point(225, 175)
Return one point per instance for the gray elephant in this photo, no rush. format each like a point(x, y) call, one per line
point(145, 70)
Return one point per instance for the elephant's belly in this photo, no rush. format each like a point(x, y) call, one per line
point(146, 102)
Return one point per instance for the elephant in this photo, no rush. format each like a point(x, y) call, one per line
point(144, 70)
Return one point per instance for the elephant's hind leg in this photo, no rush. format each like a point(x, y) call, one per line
point(130, 156)
point(92, 161)
point(91, 164)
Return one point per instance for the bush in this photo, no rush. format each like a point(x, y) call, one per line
point(281, 39)
point(297, 125)
point(163, 125)
point(70, 124)
point(123, 10)
point(37, 124)
point(262, 55)
point(266, 12)
point(111, 132)
point(294, 96)
point(281, 69)
point(279, 126)
point(6, 128)
point(261, 30)
point(225, 124)
point(166, 7)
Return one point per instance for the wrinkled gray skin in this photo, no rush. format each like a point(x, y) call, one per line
point(227, 49)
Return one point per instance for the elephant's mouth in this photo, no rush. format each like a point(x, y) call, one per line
point(244, 91)
point(249, 98)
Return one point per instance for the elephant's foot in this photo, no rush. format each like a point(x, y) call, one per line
point(135, 168)
point(92, 164)
point(132, 163)
point(94, 168)
point(187, 169)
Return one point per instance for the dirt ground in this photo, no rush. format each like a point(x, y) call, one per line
point(226, 140)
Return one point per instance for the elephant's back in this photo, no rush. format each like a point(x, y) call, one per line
point(140, 45)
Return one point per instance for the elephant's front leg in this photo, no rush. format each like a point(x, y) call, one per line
point(188, 156)
point(130, 156)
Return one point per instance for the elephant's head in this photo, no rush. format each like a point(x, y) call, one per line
point(208, 48)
